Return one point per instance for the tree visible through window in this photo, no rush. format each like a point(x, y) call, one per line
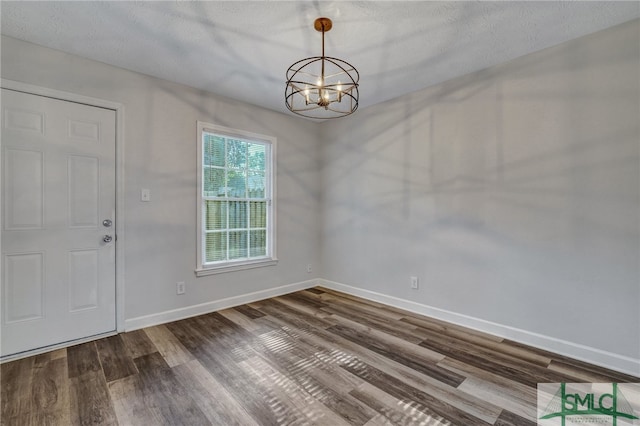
point(236, 198)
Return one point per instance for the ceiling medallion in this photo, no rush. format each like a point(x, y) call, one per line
point(321, 86)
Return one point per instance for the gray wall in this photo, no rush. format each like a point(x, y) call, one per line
point(160, 137)
point(513, 193)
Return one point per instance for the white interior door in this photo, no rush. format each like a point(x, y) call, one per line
point(58, 212)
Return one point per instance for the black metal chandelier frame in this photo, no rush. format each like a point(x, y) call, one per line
point(321, 95)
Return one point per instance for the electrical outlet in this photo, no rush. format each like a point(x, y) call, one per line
point(414, 283)
point(308, 268)
point(181, 287)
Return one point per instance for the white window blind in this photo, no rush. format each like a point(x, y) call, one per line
point(235, 198)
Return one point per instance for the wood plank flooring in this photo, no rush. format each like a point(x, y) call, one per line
point(312, 357)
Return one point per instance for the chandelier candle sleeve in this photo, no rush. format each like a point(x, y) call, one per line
point(322, 86)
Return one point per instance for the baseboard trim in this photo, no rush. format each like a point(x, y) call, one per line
point(580, 352)
point(216, 305)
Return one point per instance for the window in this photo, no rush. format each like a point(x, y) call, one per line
point(236, 172)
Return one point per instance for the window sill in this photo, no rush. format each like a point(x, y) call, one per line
point(241, 266)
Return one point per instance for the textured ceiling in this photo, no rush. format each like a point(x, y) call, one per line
point(242, 49)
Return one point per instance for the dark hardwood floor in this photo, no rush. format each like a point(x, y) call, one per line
point(311, 357)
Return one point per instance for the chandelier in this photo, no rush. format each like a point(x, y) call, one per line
point(321, 86)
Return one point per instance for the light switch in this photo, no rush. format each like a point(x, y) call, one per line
point(145, 194)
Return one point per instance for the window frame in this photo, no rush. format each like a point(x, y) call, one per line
point(203, 268)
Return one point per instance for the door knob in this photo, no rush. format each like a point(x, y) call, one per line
point(107, 223)
point(107, 238)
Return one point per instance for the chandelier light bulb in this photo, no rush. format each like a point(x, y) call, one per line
point(306, 96)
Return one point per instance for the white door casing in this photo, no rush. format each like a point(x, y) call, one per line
point(58, 186)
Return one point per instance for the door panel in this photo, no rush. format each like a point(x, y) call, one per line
point(84, 279)
point(83, 191)
point(25, 197)
point(24, 278)
point(58, 186)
